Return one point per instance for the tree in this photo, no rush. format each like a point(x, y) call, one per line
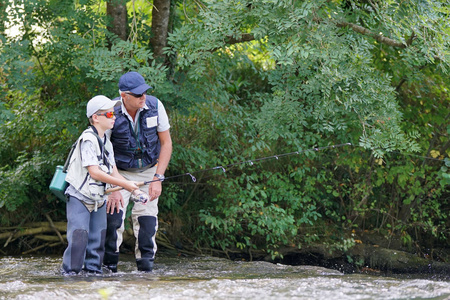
point(326, 66)
point(304, 35)
point(116, 10)
point(3, 18)
point(160, 28)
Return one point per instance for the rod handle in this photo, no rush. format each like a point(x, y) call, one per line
point(118, 188)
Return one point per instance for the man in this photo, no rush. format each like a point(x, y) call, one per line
point(142, 148)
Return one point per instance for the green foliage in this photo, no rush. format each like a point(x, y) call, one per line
point(445, 174)
point(306, 79)
point(243, 217)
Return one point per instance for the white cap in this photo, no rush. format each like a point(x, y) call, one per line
point(100, 103)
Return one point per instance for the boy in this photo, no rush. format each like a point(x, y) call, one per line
point(91, 167)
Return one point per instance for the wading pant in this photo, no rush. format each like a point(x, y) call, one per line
point(86, 233)
point(145, 224)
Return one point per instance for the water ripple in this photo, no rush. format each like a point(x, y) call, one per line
point(205, 278)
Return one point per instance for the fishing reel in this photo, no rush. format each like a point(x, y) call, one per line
point(139, 196)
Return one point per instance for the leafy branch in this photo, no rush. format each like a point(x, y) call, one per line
point(378, 37)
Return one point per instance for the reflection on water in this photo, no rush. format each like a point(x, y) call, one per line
point(204, 278)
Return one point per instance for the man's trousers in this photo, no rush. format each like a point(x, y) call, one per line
point(145, 224)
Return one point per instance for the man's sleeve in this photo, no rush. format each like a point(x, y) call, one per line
point(163, 119)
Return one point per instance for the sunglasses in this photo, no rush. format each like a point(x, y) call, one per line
point(136, 95)
point(108, 115)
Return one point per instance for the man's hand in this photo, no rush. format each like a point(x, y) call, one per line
point(155, 189)
point(115, 201)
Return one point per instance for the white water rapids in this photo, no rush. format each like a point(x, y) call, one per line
point(205, 278)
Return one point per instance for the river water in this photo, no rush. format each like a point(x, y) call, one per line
point(177, 277)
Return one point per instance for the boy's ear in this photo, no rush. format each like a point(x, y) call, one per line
point(94, 118)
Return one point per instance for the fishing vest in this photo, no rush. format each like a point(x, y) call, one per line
point(78, 176)
point(134, 150)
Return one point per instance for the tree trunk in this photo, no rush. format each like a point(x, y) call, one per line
point(3, 17)
point(116, 10)
point(160, 28)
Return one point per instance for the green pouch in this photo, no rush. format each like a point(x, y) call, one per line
point(58, 185)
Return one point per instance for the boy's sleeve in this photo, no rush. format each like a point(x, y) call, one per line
point(88, 154)
point(111, 159)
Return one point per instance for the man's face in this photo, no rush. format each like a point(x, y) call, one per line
point(133, 101)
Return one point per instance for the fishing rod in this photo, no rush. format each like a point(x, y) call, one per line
point(419, 156)
point(223, 168)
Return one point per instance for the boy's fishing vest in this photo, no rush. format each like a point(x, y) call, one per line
point(134, 150)
point(78, 176)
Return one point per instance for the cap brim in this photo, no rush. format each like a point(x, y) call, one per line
point(141, 89)
point(112, 104)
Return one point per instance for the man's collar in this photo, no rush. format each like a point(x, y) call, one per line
point(125, 111)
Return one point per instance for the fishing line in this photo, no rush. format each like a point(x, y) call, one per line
point(250, 162)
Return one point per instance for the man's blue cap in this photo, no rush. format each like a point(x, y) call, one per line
point(133, 82)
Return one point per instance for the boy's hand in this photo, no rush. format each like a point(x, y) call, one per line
point(115, 201)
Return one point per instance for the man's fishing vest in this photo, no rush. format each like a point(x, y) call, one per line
point(78, 176)
point(134, 150)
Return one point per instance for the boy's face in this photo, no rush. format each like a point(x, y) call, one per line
point(105, 118)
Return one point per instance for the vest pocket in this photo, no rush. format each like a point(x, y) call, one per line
point(97, 188)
